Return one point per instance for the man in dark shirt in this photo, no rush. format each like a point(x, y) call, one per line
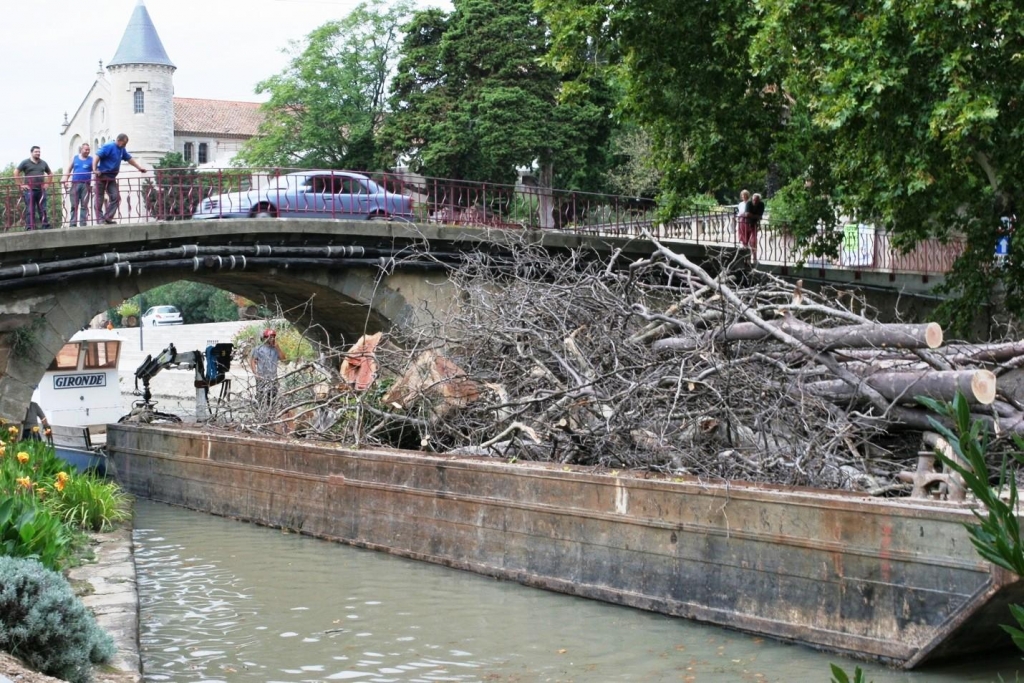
point(33, 175)
point(753, 214)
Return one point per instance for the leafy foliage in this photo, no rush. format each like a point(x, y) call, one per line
point(325, 107)
point(89, 502)
point(906, 116)
point(473, 101)
point(996, 537)
point(43, 507)
point(43, 623)
point(840, 676)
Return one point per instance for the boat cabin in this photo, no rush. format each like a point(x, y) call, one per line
point(80, 388)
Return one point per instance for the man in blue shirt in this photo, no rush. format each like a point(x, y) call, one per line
point(106, 164)
point(78, 181)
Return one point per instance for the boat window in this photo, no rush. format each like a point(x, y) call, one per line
point(102, 354)
point(67, 358)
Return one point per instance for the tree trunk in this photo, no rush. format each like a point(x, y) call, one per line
point(978, 386)
point(928, 335)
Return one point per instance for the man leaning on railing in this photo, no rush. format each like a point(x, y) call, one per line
point(106, 164)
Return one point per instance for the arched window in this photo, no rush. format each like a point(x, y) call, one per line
point(188, 152)
point(202, 152)
point(140, 101)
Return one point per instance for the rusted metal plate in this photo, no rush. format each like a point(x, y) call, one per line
point(894, 580)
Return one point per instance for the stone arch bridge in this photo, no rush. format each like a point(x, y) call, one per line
point(338, 278)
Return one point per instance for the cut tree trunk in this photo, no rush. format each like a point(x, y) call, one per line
point(978, 386)
point(928, 335)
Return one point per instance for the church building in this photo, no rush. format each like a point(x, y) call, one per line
point(135, 95)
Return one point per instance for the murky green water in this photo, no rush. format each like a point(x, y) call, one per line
point(229, 601)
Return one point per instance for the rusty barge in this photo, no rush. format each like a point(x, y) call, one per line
point(893, 580)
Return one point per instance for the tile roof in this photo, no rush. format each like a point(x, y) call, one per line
point(216, 117)
point(140, 43)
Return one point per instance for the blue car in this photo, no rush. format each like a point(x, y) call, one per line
point(310, 194)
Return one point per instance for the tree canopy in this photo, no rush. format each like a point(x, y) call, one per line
point(325, 107)
point(904, 115)
point(472, 99)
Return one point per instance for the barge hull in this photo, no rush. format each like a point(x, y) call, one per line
point(892, 580)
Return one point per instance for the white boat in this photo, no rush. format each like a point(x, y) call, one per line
point(80, 395)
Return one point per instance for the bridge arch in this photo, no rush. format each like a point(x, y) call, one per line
point(338, 279)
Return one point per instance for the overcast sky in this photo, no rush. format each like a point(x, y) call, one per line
point(222, 48)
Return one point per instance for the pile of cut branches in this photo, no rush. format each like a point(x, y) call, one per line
point(661, 365)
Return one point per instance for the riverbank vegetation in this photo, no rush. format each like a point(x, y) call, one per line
point(46, 510)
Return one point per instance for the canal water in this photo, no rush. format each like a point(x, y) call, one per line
point(223, 600)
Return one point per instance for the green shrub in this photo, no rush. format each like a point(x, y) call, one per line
point(28, 529)
point(43, 623)
point(88, 502)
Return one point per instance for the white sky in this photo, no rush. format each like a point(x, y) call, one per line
point(222, 48)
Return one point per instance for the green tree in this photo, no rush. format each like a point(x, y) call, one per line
point(907, 116)
point(325, 107)
point(174, 192)
point(198, 302)
point(472, 100)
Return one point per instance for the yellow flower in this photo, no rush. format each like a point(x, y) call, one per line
point(24, 482)
point(41, 492)
point(62, 476)
point(59, 484)
point(35, 429)
point(23, 457)
point(13, 429)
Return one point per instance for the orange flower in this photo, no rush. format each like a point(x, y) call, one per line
point(62, 477)
point(23, 457)
point(13, 429)
point(24, 482)
point(41, 492)
point(48, 431)
point(59, 484)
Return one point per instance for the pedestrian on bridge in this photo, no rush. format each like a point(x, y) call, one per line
point(750, 222)
point(79, 183)
point(106, 164)
point(33, 175)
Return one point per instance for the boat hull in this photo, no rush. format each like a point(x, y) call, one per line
point(83, 460)
point(891, 580)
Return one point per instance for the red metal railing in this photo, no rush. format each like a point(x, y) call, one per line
point(178, 194)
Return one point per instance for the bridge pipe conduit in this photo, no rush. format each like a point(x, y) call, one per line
point(127, 269)
point(188, 250)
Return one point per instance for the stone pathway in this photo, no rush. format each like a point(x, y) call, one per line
point(108, 587)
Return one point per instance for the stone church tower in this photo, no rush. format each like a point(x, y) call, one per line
point(134, 96)
point(141, 89)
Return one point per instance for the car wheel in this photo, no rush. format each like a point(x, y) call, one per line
point(379, 217)
point(264, 211)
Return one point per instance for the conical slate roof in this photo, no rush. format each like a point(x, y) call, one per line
point(140, 43)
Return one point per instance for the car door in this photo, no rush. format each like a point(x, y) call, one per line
point(307, 197)
point(352, 201)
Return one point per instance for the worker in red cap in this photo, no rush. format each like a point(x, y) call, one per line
point(264, 362)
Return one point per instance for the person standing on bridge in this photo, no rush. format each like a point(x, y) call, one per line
point(751, 222)
point(106, 164)
point(79, 182)
point(264, 362)
point(741, 215)
point(33, 175)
